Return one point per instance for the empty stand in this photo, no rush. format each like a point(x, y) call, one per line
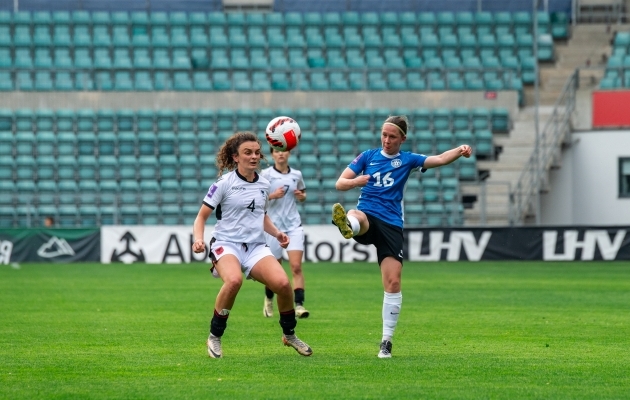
point(140, 51)
point(153, 166)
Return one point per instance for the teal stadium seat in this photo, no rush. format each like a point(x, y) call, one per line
point(559, 25)
point(483, 143)
point(500, 120)
point(89, 216)
point(24, 143)
point(68, 191)
point(107, 167)
point(6, 120)
point(127, 143)
point(45, 167)
point(24, 191)
point(88, 193)
point(45, 143)
point(107, 194)
point(468, 168)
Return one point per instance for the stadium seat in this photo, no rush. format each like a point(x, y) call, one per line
point(89, 215)
point(25, 144)
point(107, 194)
point(483, 142)
point(45, 168)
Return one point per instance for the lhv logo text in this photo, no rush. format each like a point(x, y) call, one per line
point(458, 239)
point(593, 239)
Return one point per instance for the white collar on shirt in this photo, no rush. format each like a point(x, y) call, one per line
point(389, 155)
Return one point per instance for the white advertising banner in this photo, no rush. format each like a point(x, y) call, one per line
point(172, 244)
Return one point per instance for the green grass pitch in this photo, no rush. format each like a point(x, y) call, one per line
point(467, 330)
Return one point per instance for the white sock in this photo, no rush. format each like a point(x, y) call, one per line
point(354, 224)
point(391, 310)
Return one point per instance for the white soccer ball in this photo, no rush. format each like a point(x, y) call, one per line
point(283, 133)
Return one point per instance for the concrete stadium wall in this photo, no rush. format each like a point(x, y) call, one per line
point(285, 5)
point(585, 190)
point(215, 100)
point(417, 5)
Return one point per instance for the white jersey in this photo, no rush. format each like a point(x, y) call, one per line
point(283, 211)
point(240, 208)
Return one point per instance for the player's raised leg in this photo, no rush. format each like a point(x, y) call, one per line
point(350, 224)
point(270, 273)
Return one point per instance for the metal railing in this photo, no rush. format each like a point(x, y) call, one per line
point(525, 198)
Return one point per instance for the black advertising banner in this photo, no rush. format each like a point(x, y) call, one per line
point(428, 244)
point(522, 243)
point(49, 245)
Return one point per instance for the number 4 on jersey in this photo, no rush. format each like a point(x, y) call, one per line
point(252, 205)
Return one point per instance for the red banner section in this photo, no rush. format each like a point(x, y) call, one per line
point(611, 109)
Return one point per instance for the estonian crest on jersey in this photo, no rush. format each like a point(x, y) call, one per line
point(396, 163)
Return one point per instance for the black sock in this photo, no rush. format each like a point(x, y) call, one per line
point(218, 324)
point(299, 296)
point(288, 322)
point(268, 293)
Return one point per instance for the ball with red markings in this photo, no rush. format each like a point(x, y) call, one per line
point(283, 133)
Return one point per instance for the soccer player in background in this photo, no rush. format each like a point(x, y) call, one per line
point(238, 246)
point(378, 220)
point(287, 188)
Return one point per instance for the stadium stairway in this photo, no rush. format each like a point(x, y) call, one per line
point(505, 171)
point(588, 44)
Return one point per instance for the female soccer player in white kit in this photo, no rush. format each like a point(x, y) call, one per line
point(287, 187)
point(238, 243)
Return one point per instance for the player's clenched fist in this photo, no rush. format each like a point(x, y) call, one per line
point(199, 246)
point(465, 150)
point(283, 239)
point(361, 180)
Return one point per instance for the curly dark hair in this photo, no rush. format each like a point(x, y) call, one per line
point(400, 121)
point(225, 156)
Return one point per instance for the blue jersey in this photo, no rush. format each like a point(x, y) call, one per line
point(383, 195)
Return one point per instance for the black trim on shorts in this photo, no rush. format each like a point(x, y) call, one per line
point(387, 238)
point(210, 253)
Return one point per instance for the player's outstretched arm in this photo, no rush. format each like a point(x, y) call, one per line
point(198, 227)
point(271, 229)
point(349, 180)
point(448, 156)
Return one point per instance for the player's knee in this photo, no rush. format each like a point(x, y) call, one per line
point(393, 287)
point(392, 284)
point(233, 282)
point(282, 287)
point(296, 268)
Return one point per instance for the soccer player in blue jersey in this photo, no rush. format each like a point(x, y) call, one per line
point(378, 220)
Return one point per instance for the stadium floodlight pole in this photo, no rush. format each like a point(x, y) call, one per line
point(537, 186)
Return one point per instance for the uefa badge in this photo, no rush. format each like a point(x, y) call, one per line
point(396, 163)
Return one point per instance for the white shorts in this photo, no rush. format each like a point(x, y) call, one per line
point(248, 254)
point(296, 237)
